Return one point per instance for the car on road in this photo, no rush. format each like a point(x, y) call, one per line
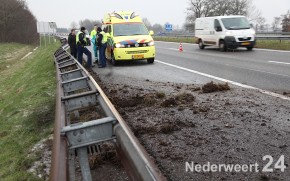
point(129, 38)
point(225, 32)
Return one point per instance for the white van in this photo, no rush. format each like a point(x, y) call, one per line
point(226, 32)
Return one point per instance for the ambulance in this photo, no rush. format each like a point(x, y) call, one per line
point(129, 38)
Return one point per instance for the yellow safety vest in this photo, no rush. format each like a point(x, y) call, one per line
point(93, 33)
point(105, 37)
point(78, 37)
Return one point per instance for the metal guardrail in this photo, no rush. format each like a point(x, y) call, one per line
point(77, 91)
point(260, 36)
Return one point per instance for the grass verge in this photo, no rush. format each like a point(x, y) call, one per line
point(264, 44)
point(27, 103)
point(11, 52)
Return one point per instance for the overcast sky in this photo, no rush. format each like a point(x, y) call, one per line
point(63, 12)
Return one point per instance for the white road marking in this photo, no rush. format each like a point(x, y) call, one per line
point(279, 62)
point(177, 43)
point(259, 49)
point(26, 55)
point(225, 80)
point(269, 50)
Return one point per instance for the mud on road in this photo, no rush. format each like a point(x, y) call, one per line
point(179, 123)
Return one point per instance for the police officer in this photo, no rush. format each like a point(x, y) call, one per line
point(81, 41)
point(72, 43)
point(94, 42)
point(102, 44)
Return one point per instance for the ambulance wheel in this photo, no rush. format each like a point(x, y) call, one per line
point(113, 61)
point(201, 45)
point(150, 60)
point(222, 46)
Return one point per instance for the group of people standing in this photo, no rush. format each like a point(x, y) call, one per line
point(78, 43)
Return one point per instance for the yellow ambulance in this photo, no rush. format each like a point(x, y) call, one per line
point(129, 38)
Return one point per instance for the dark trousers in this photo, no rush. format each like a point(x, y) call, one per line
point(103, 55)
point(83, 50)
point(74, 51)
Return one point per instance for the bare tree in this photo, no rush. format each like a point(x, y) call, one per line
point(157, 28)
point(89, 24)
point(260, 24)
point(276, 23)
point(190, 23)
point(286, 22)
point(73, 25)
point(198, 8)
point(17, 23)
point(205, 8)
point(147, 23)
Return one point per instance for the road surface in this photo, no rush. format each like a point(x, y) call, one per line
point(237, 126)
point(264, 69)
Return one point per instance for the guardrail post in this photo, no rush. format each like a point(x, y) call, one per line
point(85, 167)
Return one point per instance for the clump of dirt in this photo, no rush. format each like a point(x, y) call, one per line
point(185, 98)
point(213, 87)
point(170, 102)
point(108, 154)
point(149, 99)
point(168, 128)
point(127, 102)
point(196, 89)
point(85, 114)
point(144, 129)
point(179, 99)
point(160, 95)
point(286, 94)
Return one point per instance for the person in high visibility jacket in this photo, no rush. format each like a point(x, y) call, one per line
point(94, 34)
point(102, 44)
point(81, 41)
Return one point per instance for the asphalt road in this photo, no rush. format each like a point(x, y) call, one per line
point(264, 69)
point(269, 70)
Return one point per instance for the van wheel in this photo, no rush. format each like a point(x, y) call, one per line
point(201, 45)
point(222, 46)
point(250, 48)
point(150, 60)
point(113, 60)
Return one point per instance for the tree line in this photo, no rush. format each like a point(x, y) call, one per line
point(206, 8)
point(17, 23)
point(89, 24)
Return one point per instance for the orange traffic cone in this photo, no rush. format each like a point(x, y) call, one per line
point(180, 47)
